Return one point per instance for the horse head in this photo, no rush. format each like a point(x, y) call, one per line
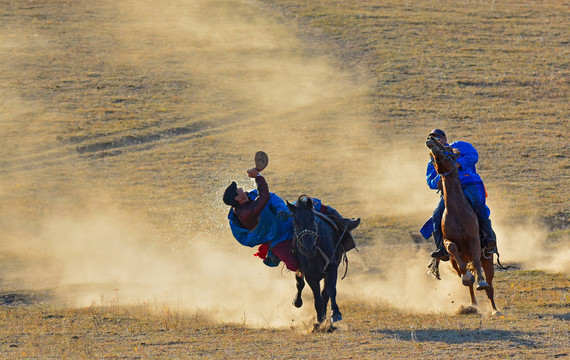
point(304, 226)
point(444, 159)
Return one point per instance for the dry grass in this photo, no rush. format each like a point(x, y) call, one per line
point(532, 324)
point(122, 125)
point(491, 73)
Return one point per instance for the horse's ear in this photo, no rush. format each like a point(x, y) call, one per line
point(290, 206)
point(308, 202)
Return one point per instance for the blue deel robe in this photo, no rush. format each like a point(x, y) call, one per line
point(270, 227)
point(467, 158)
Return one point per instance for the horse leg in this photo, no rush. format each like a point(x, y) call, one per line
point(319, 305)
point(472, 293)
point(325, 295)
point(298, 300)
point(490, 273)
point(330, 288)
point(476, 256)
point(466, 277)
point(481, 283)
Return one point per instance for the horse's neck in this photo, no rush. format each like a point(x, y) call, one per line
point(455, 201)
point(325, 219)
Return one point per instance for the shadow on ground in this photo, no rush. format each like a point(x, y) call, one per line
point(459, 337)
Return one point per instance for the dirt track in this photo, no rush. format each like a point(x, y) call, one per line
point(122, 123)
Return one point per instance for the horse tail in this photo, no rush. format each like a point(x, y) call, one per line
point(345, 261)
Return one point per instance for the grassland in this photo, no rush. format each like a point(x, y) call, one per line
point(480, 69)
point(113, 108)
point(533, 324)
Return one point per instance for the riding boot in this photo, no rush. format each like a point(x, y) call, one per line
point(489, 239)
point(349, 224)
point(475, 194)
point(440, 253)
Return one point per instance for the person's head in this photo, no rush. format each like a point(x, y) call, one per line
point(234, 196)
point(439, 135)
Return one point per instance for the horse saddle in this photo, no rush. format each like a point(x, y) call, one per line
point(345, 237)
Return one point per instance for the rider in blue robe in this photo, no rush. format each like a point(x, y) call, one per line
point(474, 192)
point(273, 226)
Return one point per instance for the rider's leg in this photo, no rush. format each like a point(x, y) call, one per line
point(350, 224)
point(475, 194)
point(440, 253)
point(490, 240)
point(283, 252)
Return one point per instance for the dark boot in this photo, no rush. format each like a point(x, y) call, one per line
point(331, 212)
point(489, 237)
point(440, 253)
point(351, 224)
point(491, 247)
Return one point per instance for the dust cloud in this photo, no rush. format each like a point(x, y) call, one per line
point(529, 245)
point(104, 259)
point(298, 106)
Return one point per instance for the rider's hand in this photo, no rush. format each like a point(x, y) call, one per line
point(252, 172)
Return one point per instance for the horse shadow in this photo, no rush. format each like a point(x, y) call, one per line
point(565, 317)
point(454, 337)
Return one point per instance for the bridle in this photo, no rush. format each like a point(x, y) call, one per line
point(305, 232)
point(315, 235)
point(446, 156)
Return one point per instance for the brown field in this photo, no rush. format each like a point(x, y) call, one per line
point(122, 122)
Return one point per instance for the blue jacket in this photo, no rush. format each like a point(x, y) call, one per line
point(270, 227)
point(467, 158)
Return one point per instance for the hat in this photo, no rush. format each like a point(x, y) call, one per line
point(438, 132)
point(230, 195)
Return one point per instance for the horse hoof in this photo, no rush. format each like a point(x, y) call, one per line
point(297, 302)
point(482, 285)
point(336, 317)
point(496, 313)
point(467, 279)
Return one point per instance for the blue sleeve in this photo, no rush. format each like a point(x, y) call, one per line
point(243, 236)
point(277, 204)
point(468, 155)
point(432, 176)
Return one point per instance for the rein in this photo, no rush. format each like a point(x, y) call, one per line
point(315, 234)
point(450, 158)
point(305, 232)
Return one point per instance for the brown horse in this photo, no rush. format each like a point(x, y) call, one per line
point(460, 226)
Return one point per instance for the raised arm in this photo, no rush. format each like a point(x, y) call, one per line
point(248, 215)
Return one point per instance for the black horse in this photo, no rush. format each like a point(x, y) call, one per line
point(316, 245)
